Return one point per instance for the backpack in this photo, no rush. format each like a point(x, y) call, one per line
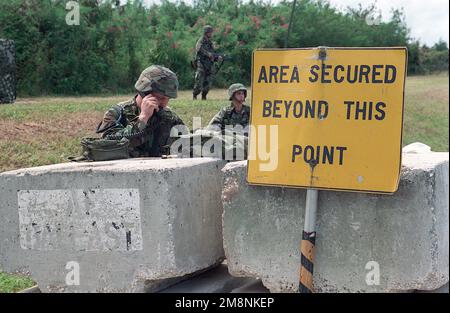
point(100, 149)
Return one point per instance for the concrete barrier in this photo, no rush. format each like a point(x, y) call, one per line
point(126, 226)
point(405, 236)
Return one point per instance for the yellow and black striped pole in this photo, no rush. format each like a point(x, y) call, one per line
point(308, 243)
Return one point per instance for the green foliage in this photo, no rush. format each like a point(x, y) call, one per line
point(425, 60)
point(112, 44)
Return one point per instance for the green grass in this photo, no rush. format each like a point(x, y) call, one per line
point(57, 108)
point(426, 111)
point(14, 283)
point(68, 119)
point(17, 154)
point(47, 130)
point(26, 111)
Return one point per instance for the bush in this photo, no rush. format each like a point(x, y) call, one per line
point(112, 44)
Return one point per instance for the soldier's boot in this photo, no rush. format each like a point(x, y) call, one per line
point(194, 95)
point(204, 95)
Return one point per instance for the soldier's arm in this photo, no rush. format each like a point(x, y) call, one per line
point(217, 120)
point(202, 50)
point(179, 121)
point(111, 125)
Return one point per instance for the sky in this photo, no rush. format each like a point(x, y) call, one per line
point(428, 20)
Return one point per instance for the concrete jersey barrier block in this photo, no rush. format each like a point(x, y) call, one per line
point(126, 226)
point(404, 236)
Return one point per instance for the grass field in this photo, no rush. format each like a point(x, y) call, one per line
point(426, 111)
point(46, 130)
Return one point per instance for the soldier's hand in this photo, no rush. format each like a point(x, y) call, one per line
point(220, 58)
point(148, 107)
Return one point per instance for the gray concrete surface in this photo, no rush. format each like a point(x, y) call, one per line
point(443, 289)
point(216, 280)
point(405, 235)
point(131, 225)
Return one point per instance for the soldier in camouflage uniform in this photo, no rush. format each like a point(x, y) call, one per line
point(7, 72)
point(205, 58)
point(146, 120)
point(226, 136)
point(237, 113)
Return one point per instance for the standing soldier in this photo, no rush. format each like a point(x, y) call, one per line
point(205, 58)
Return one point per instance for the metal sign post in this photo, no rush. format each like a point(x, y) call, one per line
point(308, 242)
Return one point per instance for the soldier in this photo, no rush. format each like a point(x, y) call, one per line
point(205, 58)
point(146, 120)
point(226, 136)
point(237, 113)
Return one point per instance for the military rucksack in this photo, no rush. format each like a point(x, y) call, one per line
point(100, 149)
point(226, 145)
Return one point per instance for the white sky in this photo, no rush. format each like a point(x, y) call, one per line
point(428, 20)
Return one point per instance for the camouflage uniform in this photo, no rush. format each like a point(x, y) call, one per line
point(204, 73)
point(7, 72)
point(151, 138)
point(228, 115)
point(217, 140)
point(146, 140)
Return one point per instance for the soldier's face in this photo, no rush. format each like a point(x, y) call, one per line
point(163, 100)
point(239, 96)
point(209, 34)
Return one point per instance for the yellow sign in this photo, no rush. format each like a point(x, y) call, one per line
point(327, 118)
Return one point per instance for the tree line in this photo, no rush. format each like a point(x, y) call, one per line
point(113, 43)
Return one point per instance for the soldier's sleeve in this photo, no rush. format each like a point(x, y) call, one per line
point(170, 117)
point(179, 121)
point(201, 49)
point(112, 125)
point(198, 45)
point(217, 121)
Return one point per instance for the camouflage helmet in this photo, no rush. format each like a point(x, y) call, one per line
point(159, 79)
point(236, 87)
point(207, 29)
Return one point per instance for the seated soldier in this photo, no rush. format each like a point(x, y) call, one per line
point(237, 113)
point(146, 120)
point(226, 136)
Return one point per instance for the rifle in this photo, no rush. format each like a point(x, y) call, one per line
point(216, 56)
point(224, 57)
